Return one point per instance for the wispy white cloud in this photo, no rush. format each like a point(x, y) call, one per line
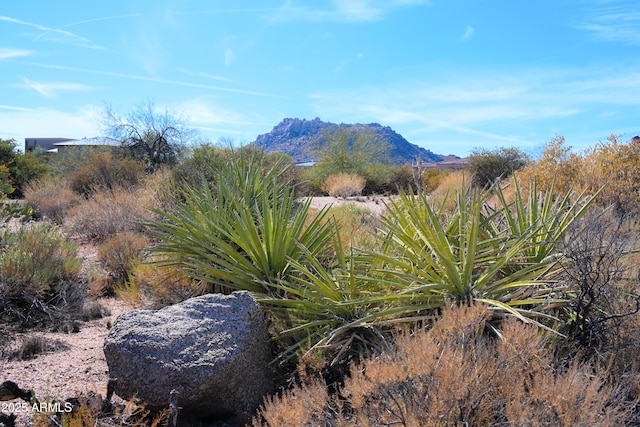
point(83, 121)
point(229, 56)
point(6, 53)
point(494, 106)
point(54, 34)
point(204, 75)
point(619, 22)
point(51, 89)
point(351, 11)
point(221, 123)
point(468, 32)
point(201, 111)
point(357, 10)
point(151, 79)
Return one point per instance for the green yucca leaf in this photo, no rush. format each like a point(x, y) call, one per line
point(502, 256)
point(240, 233)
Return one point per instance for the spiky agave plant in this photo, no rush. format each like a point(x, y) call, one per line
point(337, 310)
point(243, 233)
point(473, 254)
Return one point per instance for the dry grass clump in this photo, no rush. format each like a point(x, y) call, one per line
point(433, 177)
point(157, 285)
point(447, 187)
point(108, 213)
point(33, 345)
point(118, 255)
point(344, 185)
point(357, 225)
point(52, 199)
point(455, 375)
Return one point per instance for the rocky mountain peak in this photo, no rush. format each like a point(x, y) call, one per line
point(299, 137)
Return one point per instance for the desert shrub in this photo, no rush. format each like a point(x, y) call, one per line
point(486, 166)
point(614, 167)
point(557, 167)
point(357, 226)
point(432, 177)
point(118, 255)
point(101, 170)
point(344, 185)
point(9, 209)
point(200, 166)
point(94, 309)
point(37, 258)
point(344, 151)
point(39, 275)
point(28, 167)
point(33, 345)
point(610, 167)
point(51, 199)
point(108, 213)
point(447, 186)
point(157, 285)
point(456, 375)
point(600, 261)
point(403, 178)
point(20, 168)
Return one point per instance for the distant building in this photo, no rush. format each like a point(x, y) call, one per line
point(46, 144)
point(451, 163)
point(53, 145)
point(81, 144)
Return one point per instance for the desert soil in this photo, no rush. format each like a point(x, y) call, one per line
point(77, 364)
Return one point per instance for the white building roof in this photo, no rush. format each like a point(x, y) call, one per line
point(98, 140)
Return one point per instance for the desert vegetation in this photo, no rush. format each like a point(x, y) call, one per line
point(503, 294)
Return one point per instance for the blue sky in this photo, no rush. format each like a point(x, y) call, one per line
point(449, 75)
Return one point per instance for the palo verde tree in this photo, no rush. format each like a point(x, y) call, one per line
point(153, 137)
point(346, 151)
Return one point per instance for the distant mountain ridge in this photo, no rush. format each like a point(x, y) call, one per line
point(298, 138)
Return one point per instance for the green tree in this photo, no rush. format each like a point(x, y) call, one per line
point(7, 151)
point(489, 165)
point(343, 151)
point(21, 168)
point(152, 137)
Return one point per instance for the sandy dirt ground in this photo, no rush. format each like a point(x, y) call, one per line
point(376, 204)
point(77, 364)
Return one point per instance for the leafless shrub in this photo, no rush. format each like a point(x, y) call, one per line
point(601, 264)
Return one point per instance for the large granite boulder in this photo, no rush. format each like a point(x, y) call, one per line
point(213, 350)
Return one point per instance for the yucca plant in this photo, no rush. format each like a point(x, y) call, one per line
point(338, 309)
point(552, 213)
point(472, 254)
point(242, 232)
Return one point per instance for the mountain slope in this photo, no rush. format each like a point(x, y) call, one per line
point(299, 137)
